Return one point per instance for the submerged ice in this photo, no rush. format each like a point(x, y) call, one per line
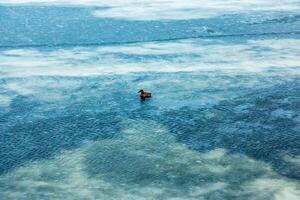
point(146, 162)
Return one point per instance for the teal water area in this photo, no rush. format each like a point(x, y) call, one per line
point(223, 122)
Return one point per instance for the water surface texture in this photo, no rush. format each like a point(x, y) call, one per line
point(223, 123)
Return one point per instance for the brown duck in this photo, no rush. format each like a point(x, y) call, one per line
point(144, 95)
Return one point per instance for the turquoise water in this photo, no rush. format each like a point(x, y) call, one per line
point(223, 123)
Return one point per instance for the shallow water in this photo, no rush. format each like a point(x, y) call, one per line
point(223, 123)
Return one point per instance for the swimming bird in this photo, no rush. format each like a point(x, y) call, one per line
point(144, 95)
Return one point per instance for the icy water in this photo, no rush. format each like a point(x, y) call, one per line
point(223, 123)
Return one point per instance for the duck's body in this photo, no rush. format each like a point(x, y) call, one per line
point(144, 95)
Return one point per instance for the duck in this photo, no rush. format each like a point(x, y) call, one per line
point(144, 95)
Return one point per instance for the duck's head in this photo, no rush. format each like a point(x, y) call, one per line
point(141, 91)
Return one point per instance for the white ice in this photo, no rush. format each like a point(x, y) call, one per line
point(188, 56)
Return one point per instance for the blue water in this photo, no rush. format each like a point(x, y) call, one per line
point(223, 123)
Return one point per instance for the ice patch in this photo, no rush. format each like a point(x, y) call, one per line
point(185, 55)
point(270, 188)
point(5, 101)
point(171, 9)
point(199, 191)
point(292, 159)
point(146, 162)
point(20, 89)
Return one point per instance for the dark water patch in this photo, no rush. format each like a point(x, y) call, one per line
point(157, 57)
point(24, 139)
point(245, 125)
point(232, 38)
point(283, 19)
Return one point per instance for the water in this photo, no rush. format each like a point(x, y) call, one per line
point(223, 123)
